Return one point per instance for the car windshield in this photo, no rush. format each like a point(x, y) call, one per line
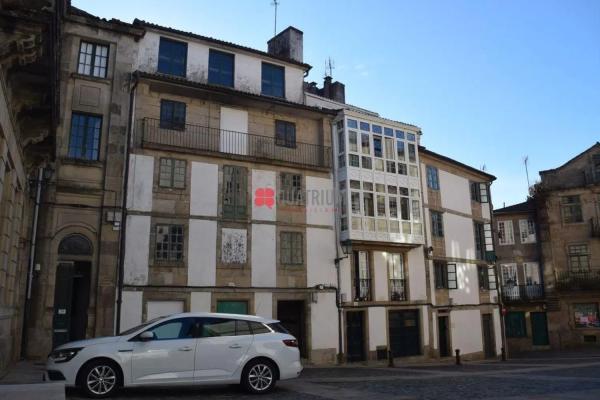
point(137, 328)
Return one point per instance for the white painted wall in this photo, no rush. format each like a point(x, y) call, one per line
point(485, 210)
point(380, 276)
point(264, 180)
point(264, 255)
point(468, 285)
point(455, 191)
point(346, 278)
point(137, 248)
point(161, 308)
point(323, 322)
point(377, 327)
point(247, 69)
point(139, 185)
point(263, 304)
point(204, 189)
point(466, 331)
point(417, 284)
point(320, 250)
point(319, 201)
point(497, 330)
point(425, 318)
point(200, 301)
point(202, 252)
point(458, 236)
point(131, 309)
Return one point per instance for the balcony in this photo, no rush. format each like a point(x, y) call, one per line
point(578, 280)
point(397, 289)
point(363, 290)
point(595, 227)
point(202, 139)
point(522, 293)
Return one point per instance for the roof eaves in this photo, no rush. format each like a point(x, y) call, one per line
point(422, 149)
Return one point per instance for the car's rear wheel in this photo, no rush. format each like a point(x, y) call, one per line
point(259, 376)
point(99, 379)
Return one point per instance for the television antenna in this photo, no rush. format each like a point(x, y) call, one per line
point(526, 161)
point(329, 67)
point(275, 3)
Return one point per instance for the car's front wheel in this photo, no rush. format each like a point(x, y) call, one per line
point(259, 376)
point(99, 379)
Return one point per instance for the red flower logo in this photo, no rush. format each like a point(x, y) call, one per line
point(264, 197)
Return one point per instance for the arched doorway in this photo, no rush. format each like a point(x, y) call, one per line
point(72, 289)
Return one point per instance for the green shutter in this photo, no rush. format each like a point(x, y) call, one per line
point(232, 307)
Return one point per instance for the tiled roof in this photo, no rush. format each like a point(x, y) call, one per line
point(227, 90)
point(145, 24)
point(424, 150)
point(524, 207)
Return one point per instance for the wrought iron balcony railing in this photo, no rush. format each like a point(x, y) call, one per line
point(397, 289)
point(588, 279)
point(522, 293)
point(363, 290)
point(188, 137)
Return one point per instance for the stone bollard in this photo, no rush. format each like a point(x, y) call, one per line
point(457, 351)
point(390, 359)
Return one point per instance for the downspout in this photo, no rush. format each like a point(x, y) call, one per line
point(32, 241)
point(120, 266)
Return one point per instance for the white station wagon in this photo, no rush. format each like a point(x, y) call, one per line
point(181, 349)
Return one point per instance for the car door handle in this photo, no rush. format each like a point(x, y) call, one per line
point(185, 348)
point(235, 346)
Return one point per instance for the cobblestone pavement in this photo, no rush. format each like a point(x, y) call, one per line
point(557, 376)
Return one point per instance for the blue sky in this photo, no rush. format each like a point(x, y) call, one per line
point(487, 81)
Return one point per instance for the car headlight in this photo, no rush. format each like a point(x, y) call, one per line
point(64, 355)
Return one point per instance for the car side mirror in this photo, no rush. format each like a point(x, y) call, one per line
point(146, 336)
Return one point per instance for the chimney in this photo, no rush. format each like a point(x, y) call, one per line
point(338, 92)
point(287, 44)
point(327, 87)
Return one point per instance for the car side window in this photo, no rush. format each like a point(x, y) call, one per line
point(242, 328)
point(182, 328)
point(212, 327)
point(258, 328)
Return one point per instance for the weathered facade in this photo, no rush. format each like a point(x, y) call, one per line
point(74, 282)
point(461, 275)
point(28, 44)
point(568, 211)
point(229, 203)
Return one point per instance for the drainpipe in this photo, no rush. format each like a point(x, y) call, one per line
point(120, 266)
point(32, 241)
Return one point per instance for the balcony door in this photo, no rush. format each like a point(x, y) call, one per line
point(234, 131)
point(510, 280)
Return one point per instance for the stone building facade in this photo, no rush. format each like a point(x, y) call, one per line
point(230, 197)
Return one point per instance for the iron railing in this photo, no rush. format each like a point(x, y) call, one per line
point(206, 139)
point(519, 293)
point(588, 279)
point(363, 290)
point(397, 289)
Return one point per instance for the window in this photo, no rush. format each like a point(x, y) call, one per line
point(393, 206)
point(258, 328)
point(353, 160)
point(571, 209)
point(586, 315)
point(368, 186)
point(390, 167)
point(355, 201)
point(437, 224)
point(452, 278)
point(172, 57)
point(291, 188)
point(169, 242)
point(273, 82)
point(352, 123)
point(483, 276)
point(362, 276)
point(400, 150)
point(234, 191)
point(410, 136)
point(353, 141)
point(402, 170)
point(479, 192)
point(479, 240)
point(381, 206)
point(579, 258)
point(341, 141)
point(93, 59)
point(377, 150)
point(220, 68)
point(404, 209)
point(291, 248)
point(364, 126)
point(515, 324)
point(412, 153)
point(366, 162)
point(433, 181)
point(505, 233)
point(400, 134)
point(376, 128)
point(365, 143)
point(172, 173)
point(84, 140)
point(172, 115)
point(416, 210)
point(440, 270)
point(527, 230)
point(413, 170)
point(368, 204)
point(183, 328)
point(215, 327)
point(285, 134)
point(396, 275)
point(388, 132)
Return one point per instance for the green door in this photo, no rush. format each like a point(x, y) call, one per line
point(232, 307)
point(539, 329)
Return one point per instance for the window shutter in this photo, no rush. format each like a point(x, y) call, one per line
point(452, 280)
point(483, 189)
point(228, 189)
